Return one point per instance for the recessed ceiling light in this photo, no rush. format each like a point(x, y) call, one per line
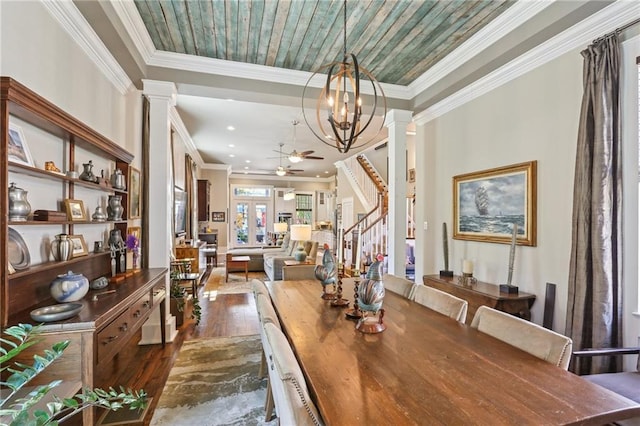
point(232, 155)
point(326, 171)
point(229, 100)
point(317, 176)
point(247, 161)
point(231, 145)
point(246, 167)
point(230, 128)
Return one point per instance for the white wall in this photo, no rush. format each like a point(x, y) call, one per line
point(531, 118)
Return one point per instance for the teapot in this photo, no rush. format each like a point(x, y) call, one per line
point(69, 287)
point(87, 173)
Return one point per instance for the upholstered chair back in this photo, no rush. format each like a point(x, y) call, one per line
point(442, 302)
point(259, 287)
point(398, 285)
point(538, 341)
point(290, 393)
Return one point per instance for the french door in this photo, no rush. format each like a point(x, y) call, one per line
point(252, 211)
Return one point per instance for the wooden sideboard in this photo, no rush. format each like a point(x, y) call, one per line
point(194, 253)
point(98, 332)
point(482, 293)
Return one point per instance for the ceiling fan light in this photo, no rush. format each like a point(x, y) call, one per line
point(295, 158)
point(280, 171)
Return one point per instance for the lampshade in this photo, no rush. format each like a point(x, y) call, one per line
point(340, 115)
point(300, 232)
point(280, 227)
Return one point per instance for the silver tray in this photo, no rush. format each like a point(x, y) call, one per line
point(18, 251)
point(56, 312)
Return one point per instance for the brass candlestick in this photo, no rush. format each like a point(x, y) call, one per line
point(338, 301)
point(355, 313)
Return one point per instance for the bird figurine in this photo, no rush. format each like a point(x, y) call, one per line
point(370, 296)
point(327, 272)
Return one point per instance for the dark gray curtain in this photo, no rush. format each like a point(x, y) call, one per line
point(144, 192)
point(192, 197)
point(594, 306)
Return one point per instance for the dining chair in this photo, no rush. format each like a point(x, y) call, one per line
point(532, 338)
point(626, 383)
point(445, 303)
point(266, 315)
point(290, 392)
point(181, 273)
point(398, 285)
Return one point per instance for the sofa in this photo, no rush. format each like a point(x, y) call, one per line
point(271, 259)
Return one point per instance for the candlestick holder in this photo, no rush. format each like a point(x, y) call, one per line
point(339, 301)
point(467, 279)
point(355, 313)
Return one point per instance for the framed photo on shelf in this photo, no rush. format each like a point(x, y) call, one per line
point(18, 150)
point(487, 204)
point(134, 193)
point(75, 210)
point(217, 217)
point(79, 246)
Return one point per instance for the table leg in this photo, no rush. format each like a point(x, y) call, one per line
point(246, 271)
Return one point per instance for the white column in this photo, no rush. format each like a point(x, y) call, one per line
point(162, 97)
point(396, 122)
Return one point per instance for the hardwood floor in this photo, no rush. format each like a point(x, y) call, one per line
point(147, 367)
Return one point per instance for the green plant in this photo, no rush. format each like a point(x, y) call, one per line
point(177, 292)
point(22, 337)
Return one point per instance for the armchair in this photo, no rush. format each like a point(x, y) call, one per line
point(626, 383)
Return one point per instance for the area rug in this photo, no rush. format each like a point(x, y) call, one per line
point(236, 283)
point(214, 382)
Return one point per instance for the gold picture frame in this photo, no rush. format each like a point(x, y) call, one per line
point(79, 246)
point(75, 210)
point(135, 184)
point(487, 203)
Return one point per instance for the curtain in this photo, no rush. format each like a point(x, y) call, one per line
point(192, 197)
point(594, 305)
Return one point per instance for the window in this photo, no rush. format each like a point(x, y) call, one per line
point(304, 208)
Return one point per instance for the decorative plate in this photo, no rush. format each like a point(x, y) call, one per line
point(18, 251)
point(56, 312)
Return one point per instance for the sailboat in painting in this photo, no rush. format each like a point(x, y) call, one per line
point(482, 201)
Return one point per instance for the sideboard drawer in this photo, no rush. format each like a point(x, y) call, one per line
point(110, 339)
point(140, 310)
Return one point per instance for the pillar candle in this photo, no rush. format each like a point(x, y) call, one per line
point(467, 267)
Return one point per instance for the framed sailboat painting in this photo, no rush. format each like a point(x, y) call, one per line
point(487, 204)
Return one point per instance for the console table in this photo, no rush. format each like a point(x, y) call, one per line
point(482, 293)
point(98, 332)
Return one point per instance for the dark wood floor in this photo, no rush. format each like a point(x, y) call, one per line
point(147, 367)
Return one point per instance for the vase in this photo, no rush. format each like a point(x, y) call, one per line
point(135, 259)
point(87, 173)
point(69, 287)
point(62, 247)
point(114, 207)
point(99, 215)
point(19, 207)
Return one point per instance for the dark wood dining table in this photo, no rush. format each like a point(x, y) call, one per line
point(426, 368)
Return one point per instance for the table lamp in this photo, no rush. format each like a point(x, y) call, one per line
point(300, 233)
point(280, 228)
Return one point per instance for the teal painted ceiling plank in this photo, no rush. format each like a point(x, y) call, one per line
point(220, 28)
point(278, 30)
point(268, 18)
point(208, 46)
point(443, 27)
point(171, 9)
point(292, 34)
point(197, 28)
point(319, 14)
point(328, 45)
point(158, 21)
point(231, 14)
point(253, 42)
point(243, 33)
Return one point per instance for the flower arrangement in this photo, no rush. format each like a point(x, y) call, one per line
point(133, 245)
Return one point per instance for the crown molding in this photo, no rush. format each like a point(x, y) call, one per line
point(580, 35)
point(72, 21)
point(503, 24)
point(242, 175)
point(181, 129)
point(133, 24)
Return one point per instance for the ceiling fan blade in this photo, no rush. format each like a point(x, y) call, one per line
point(305, 153)
point(295, 170)
point(313, 157)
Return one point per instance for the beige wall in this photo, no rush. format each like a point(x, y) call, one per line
point(534, 117)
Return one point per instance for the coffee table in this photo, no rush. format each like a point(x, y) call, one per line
point(241, 261)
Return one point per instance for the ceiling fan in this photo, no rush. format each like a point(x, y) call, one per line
point(295, 156)
point(285, 171)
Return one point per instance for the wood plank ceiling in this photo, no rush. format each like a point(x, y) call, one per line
point(396, 40)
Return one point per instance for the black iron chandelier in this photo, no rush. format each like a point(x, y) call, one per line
point(341, 98)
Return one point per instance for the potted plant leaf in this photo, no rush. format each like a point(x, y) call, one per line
point(16, 410)
point(178, 297)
